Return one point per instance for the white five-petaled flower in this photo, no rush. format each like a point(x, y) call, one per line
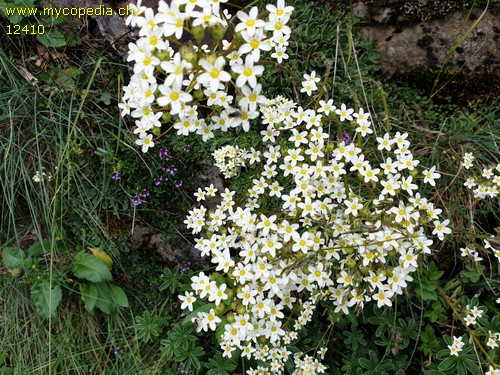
point(248, 72)
point(146, 142)
point(440, 228)
point(214, 73)
point(431, 175)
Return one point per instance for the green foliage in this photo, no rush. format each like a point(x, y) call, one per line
point(428, 281)
point(46, 298)
point(148, 326)
point(219, 365)
point(374, 365)
point(91, 268)
point(180, 346)
point(171, 279)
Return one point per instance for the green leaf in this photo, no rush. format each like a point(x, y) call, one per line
point(472, 275)
point(52, 38)
point(46, 298)
point(39, 248)
point(90, 296)
point(14, 257)
point(118, 295)
point(219, 365)
point(91, 268)
point(471, 365)
point(171, 279)
point(448, 364)
point(428, 280)
point(104, 300)
point(147, 326)
point(461, 369)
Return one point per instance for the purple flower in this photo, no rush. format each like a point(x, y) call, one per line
point(136, 200)
point(118, 351)
point(178, 184)
point(185, 266)
point(164, 153)
point(347, 137)
point(158, 180)
point(171, 170)
point(144, 193)
point(116, 176)
point(186, 148)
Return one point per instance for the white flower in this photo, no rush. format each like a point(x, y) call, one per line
point(249, 22)
point(353, 206)
point(214, 73)
point(146, 142)
point(440, 229)
point(326, 107)
point(430, 175)
point(187, 300)
point(344, 112)
point(174, 97)
point(247, 73)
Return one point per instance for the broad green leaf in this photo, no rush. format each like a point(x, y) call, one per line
point(52, 38)
point(91, 268)
point(89, 296)
point(39, 248)
point(104, 300)
point(118, 295)
point(13, 257)
point(46, 298)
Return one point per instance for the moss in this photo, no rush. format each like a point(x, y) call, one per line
point(410, 12)
point(468, 89)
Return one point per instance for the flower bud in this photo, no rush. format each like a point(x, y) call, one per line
point(218, 32)
point(164, 56)
point(240, 309)
point(198, 33)
point(211, 58)
point(156, 131)
point(219, 309)
point(214, 276)
point(166, 117)
point(188, 53)
point(230, 317)
point(351, 263)
point(198, 94)
point(17, 273)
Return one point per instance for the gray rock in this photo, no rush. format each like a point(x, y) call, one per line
point(425, 37)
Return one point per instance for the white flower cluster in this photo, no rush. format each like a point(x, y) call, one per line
point(228, 159)
point(487, 184)
point(190, 85)
point(39, 176)
point(331, 226)
point(473, 254)
point(457, 346)
point(472, 314)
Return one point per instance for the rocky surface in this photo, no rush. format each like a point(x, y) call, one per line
point(422, 33)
